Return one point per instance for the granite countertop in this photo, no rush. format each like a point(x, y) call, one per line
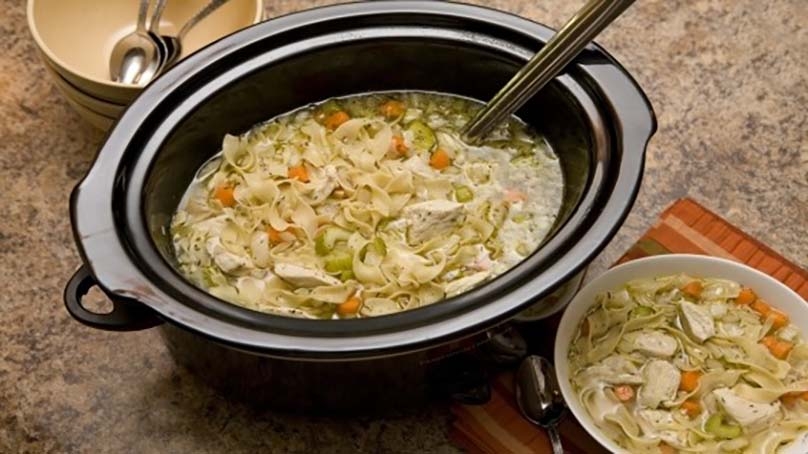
point(728, 80)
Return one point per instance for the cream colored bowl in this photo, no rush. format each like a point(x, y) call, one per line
point(71, 92)
point(76, 37)
point(765, 286)
point(98, 121)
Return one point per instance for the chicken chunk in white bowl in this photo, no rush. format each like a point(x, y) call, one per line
point(687, 353)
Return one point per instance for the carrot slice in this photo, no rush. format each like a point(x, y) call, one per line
point(392, 109)
point(515, 195)
point(624, 393)
point(298, 173)
point(693, 288)
point(274, 236)
point(782, 349)
point(349, 307)
point(779, 319)
point(225, 194)
point(691, 408)
point(665, 448)
point(746, 297)
point(768, 341)
point(440, 159)
point(791, 399)
point(690, 380)
point(334, 120)
point(761, 307)
point(778, 348)
point(398, 145)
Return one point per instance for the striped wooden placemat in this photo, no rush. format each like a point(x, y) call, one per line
point(684, 227)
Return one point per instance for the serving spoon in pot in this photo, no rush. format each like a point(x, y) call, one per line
point(559, 51)
point(539, 397)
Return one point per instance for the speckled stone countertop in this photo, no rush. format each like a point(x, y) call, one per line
point(728, 80)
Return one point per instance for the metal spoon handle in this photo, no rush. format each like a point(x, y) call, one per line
point(555, 440)
point(203, 13)
point(154, 24)
point(579, 31)
point(142, 10)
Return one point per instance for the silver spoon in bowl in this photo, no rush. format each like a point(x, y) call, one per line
point(559, 51)
point(136, 57)
point(539, 397)
point(154, 33)
point(174, 43)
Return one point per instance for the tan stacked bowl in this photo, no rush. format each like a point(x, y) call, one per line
point(75, 39)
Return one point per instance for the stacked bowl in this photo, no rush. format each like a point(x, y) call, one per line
point(75, 39)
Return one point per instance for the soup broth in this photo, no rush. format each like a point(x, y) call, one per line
point(365, 205)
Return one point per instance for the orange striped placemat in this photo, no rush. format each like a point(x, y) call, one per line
point(684, 227)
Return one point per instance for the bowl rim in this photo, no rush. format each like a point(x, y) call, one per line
point(116, 268)
point(59, 64)
point(643, 268)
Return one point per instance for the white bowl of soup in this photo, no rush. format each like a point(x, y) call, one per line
point(681, 353)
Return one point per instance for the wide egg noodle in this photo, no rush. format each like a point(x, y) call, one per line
point(357, 181)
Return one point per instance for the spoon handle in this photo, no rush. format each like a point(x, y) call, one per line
point(203, 13)
point(142, 10)
point(590, 20)
point(555, 440)
point(154, 24)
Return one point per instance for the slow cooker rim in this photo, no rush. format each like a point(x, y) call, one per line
point(571, 271)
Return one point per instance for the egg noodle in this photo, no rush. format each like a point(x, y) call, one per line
point(364, 206)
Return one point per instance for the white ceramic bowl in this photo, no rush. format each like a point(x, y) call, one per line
point(768, 288)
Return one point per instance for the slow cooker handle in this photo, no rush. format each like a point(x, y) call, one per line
point(505, 347)
point(125, 316)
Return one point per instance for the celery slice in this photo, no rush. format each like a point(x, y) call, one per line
point(523, 250)
point(325, 241)
point(463, 194)
point(423, 136)
point(716, 426)
point(379, 247)
point(641, 311)
point(339, 262)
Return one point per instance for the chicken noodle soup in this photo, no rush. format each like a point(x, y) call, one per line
point(685, 364)
point(364, 206)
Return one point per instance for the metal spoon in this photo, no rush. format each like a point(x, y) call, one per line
point(174, 44)
point(539, 398)
point(154, 33)
point(560, 50)
point(135, 58)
